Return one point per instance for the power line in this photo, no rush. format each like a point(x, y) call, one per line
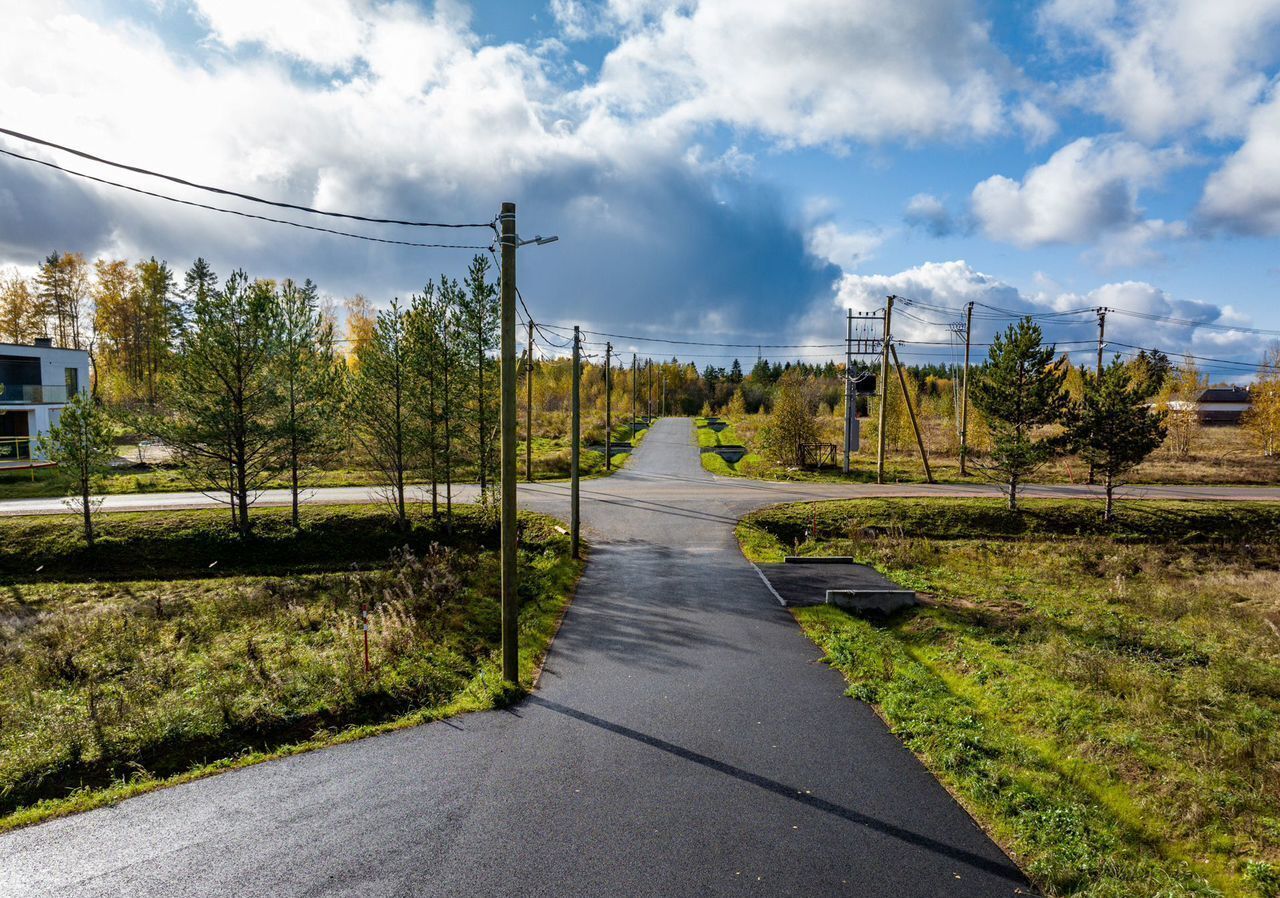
point(244, 196)
point(1187, 322)
point(1250, 366)
point(252, 215)
point(708, 343)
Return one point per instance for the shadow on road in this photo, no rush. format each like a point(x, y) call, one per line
point(1002, 868)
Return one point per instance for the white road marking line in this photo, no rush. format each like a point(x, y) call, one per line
point(769, 586)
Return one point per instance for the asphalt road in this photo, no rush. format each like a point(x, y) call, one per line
point(685, 740)
point(656, 486)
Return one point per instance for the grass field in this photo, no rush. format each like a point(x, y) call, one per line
point(173, 649)
point(1218, 455)
point(1106, 702)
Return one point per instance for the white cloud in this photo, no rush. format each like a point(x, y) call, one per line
point(927, 291)
point(1244, 194)
point(411, 130)
point(1168, 65)
point(927, 212)
point(327, 33)
point(811, 71)
point(1086, 192)
point(847, 249)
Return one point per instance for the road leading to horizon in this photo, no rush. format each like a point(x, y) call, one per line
point(685, 740)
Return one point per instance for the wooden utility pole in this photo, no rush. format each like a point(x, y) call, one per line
point(608, 406)
point(964, 393)
point(510, 600)
point(633, 399)
point(884, 391)
point(648, 404)
point(915, 425)
point(1102, 335)
point(850, 397)
point(575, 453)
point(528, 408)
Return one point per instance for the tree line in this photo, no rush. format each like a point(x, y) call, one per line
point(244, 380)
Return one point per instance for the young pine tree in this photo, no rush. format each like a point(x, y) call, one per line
point(1112, 426)
point(81, 446)
point(225, 404)
point(477, 339)
point(1019, 391)
point(379, 408)
point(309, 377)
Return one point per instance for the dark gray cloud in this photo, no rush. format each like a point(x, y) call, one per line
point(666, 251)
point(42, 210)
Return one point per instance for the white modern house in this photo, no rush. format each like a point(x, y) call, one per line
point(37, 381)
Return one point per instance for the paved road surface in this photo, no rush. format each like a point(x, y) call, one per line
point(685, 741)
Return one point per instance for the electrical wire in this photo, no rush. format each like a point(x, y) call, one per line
point(244, 196)
point(673, 342)
point(252, 215)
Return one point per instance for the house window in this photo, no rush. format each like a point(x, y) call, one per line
point(73, 381)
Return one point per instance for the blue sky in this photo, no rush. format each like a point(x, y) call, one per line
point(737, 170)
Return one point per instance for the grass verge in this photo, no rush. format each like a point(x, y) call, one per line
point(1104, 702)
point(112, 687)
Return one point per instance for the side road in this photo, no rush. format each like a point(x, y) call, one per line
point(655, 486)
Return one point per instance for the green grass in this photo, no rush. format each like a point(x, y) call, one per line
point(1106, 703)
point(124, 682)
point(746, 466)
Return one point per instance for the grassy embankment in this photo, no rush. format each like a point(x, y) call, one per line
point(711, 461)
point(1218, 455)
point(173, 650)
point(1105, 700)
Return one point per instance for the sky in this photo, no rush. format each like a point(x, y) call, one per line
point(724, 171)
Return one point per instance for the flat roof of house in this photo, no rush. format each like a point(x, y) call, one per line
point(29, 346)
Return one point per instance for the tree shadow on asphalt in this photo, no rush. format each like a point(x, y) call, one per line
point(636, 613)
point(997, 866)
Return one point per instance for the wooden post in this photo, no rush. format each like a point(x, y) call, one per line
point(915, 425)
point(608, 406)
point(884, 391)
point(575, 524)
point(528, 408)
point(510, 599)
point(964, 393)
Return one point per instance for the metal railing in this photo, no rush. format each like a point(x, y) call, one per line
point(15, 449)
point(33, 394)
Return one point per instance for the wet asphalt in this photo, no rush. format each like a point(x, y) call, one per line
point(685, 739)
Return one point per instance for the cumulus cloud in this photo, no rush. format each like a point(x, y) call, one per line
point(326, 33)
point(1244, 194)
point(1086, 191)
point(409, 132)
point(934, 294)
point(927, 212)
point(820, 71)
point(846, 249)
point(1165, 66)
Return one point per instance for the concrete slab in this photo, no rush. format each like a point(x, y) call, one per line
point(853, 586)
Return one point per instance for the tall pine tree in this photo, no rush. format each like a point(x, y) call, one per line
point(1019, 391)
